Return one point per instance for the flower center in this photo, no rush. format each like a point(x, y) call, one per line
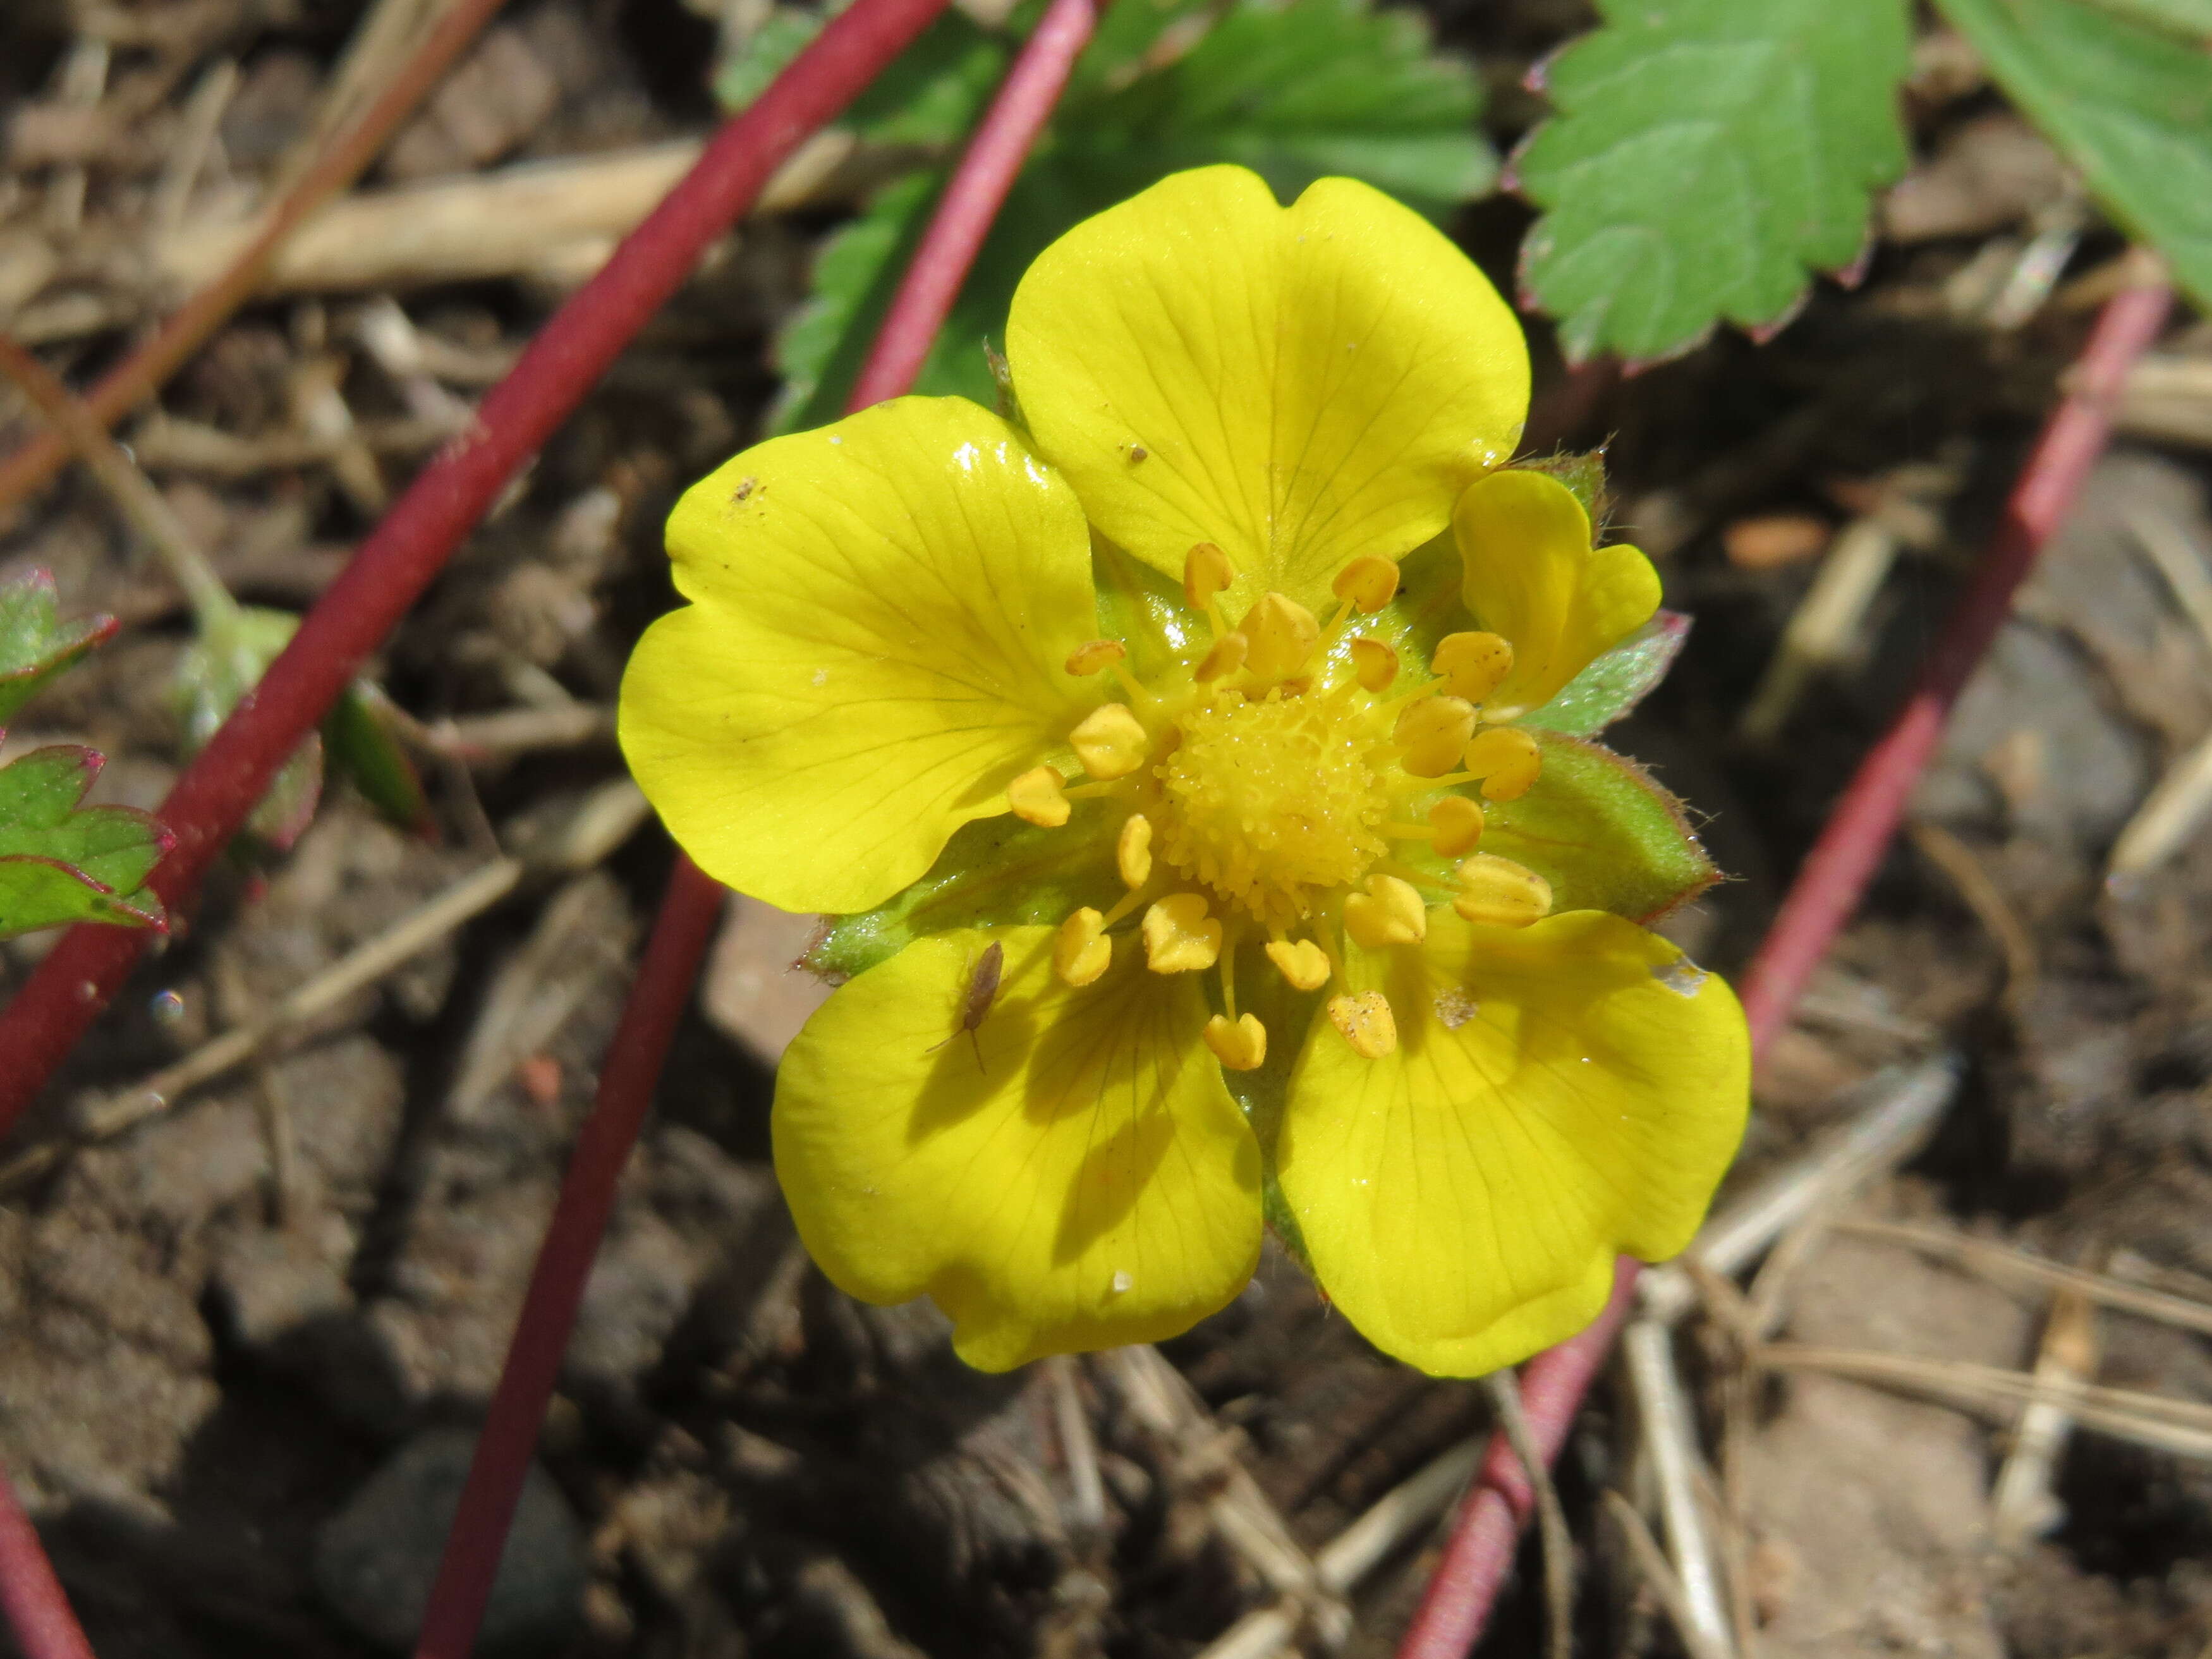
point(1267, 801)
point(1269, 788)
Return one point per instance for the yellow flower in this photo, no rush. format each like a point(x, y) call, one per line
point(1150, 748)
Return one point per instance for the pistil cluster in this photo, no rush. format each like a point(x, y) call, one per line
point(1262, 790)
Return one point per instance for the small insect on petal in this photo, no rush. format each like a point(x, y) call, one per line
point(1366, 1022)
point(1507, 760)
point(1180, 938)
point(1110, 742)
point(982, 992)
point(1390, 912)
point(1369, 582)
point(1037, 797)
point(1301, 962)
point(1456, 823)
point(1241, 1047)
point(1374, 664)
point(1472, 665)
point(1206, 572)
point(1095, 654)
point(1082, 952)
point(1432, 732)
point(1497, 892)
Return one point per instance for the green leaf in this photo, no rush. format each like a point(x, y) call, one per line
point(363, 746)
point(1296, 91)
point(221, 664)
point(1612, 685)
point(35, 643)
point(1706, 156)
point(60, 862)
point(1601, 832)
point(995, 872)
point(930, 95)
point(2130, 105)
point(2185, 19)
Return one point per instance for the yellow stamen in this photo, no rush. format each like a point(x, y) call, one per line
point(1038, 798)
point(1132, 853)
point(1283, 634)
point(1081, 952)
point(1111, 742)
point(1301, 962)
point(1473, 665)
point(1455, 826)
point(1374, 663)
point(1240, 1044)
point(1432, 732)
point(1206, 572)
point(1367, 584)
point(1497, 892)
point(1390, 912)
point(1088, 658)
point(1367, 1023)
point(1226, 657)
point(1506, 759)
point(1180, 938)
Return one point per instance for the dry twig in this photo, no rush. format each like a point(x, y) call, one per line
point(1504, 1391)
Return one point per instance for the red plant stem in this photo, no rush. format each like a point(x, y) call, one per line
point(971, 202)
point(1851, 845)
point(141, 373)
point(694, 900)
point(1479, 1554)
point(627, 1079)
point(419, 534)
point(37, 1613)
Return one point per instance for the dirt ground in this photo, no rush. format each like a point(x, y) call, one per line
point(243, 1340)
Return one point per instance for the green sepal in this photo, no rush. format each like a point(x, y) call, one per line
point(1585, 477)
point(995, 872)
point(1602, 832)
point(222, 664)
point(1614, 683)
point(60, 862)
point(363, 746)
point(35, 643)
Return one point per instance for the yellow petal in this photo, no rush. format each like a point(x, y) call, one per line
point(1560, 1095)
point(1533, 577)
point(1310, 384)
point(1090, 1183)
point(881, 612)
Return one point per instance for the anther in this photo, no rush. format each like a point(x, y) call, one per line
point(1472, 665)
point(1110, 742)
point(1283, 634)
point(1506, 759)
point(1090, 657)
point(1432, 732)
point(1180, 938)
point(1390, 912)
point(1367, 584)
point(1367, 1023)
point(1037, 797)
point(1497, 892)
point(1240, 1044)
point(1206, 572)
point(1301, 962)
point(1081, 952)
point(1455, 826)
point(1132, 853)
point(1226, 657)
point(1374, 664)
